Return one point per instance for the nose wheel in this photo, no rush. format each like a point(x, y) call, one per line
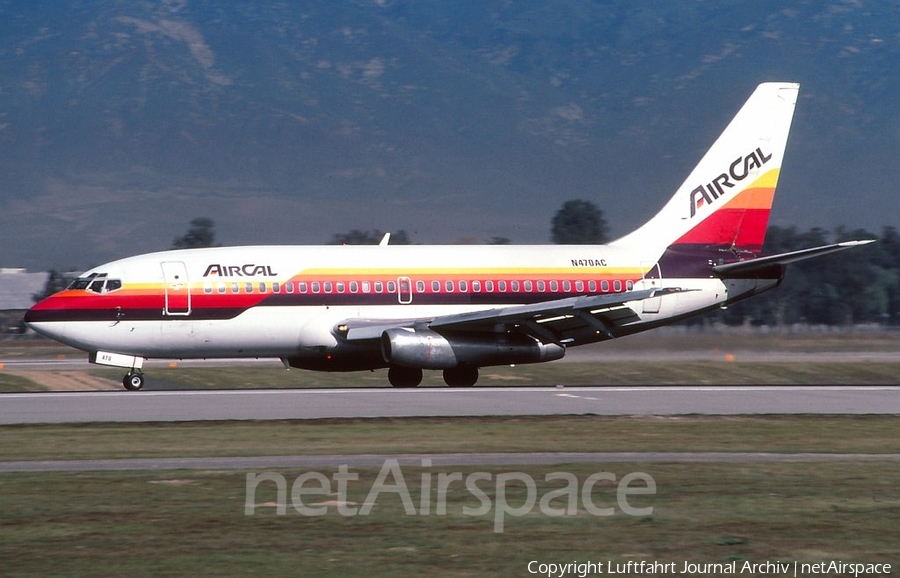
point(133, 381)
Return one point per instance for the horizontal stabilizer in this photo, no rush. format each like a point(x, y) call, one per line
point(786, 258)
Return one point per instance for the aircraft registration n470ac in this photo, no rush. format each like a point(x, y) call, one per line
point(450, 308)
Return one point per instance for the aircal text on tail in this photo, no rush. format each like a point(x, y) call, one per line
point(449, 308)
point(712, 191)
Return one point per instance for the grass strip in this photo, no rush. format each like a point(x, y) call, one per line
point(194, 523)
point(787, 434)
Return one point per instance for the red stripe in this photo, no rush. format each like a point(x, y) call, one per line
point(746, 228)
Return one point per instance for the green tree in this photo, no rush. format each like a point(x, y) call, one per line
point(861, 285)
point(886, 255)
point(202, 233)
point(579, 223)
point(373, 237)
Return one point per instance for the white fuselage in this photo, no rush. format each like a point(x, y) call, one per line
point(287, 301)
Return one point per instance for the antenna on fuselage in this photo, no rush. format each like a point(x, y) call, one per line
point(385, 240)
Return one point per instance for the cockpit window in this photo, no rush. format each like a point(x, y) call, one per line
point(80, 283)
point(95, 283)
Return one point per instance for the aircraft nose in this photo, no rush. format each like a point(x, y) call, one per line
point(40, 320)
point(31, 318)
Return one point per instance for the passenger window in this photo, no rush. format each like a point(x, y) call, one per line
point(354, 287)
point(554, 286)
point(592, 286)
point(366, 287)
point(501, 286)
point(604, 286)
point(392, 287)
point(379, 287)
point(302, 287)
point(617, 285)
point(248, 288)
point(514, 285)
point(221, 287)
point(316, 287)
point(579, 286)
point(235, 288)
point(276, 287)
point(541, 286)
point(340, 286)
point(476, 286)
point(327, 286)
point(489, 286)
point(207, 288)
point(629, 285)
point(529, 286)
point(448, 285)
point(420, 286)
point(262, 288)
point(567, 286)
point(289, 287)
point(463, 286)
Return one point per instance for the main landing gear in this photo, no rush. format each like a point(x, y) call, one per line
point(133, 380)
point(463, 376)
point(400, 376)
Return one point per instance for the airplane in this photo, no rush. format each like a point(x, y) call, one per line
point(452, 308)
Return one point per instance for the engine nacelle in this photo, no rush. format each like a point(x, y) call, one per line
point(426, 349)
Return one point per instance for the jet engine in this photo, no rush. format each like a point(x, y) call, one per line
point(427, 349)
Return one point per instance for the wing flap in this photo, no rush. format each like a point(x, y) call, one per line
point(541, 313)
point(561, 321)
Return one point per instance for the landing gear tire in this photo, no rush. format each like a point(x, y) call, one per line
point(461, 376)
point(404, 376)
point(133, 381)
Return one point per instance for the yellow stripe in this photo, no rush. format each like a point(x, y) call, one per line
point(486, 272)
point(758, 195)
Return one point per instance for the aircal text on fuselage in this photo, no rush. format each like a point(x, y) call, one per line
point(247, 270)
point(738, 170)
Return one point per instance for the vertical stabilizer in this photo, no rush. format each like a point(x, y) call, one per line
point(725, 201)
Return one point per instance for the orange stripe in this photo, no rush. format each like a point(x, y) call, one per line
point(757, 198)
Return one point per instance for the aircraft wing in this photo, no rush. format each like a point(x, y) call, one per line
point(562, 321)
point(743, 267)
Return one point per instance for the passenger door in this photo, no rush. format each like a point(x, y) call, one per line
point(404, 290)
point(177, 288)
point(652, 280)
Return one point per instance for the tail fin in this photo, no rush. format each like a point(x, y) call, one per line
point(725, 202)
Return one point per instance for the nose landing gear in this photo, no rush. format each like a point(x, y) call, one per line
point(133, 380)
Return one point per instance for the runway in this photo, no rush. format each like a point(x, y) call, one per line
point(163, 406)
